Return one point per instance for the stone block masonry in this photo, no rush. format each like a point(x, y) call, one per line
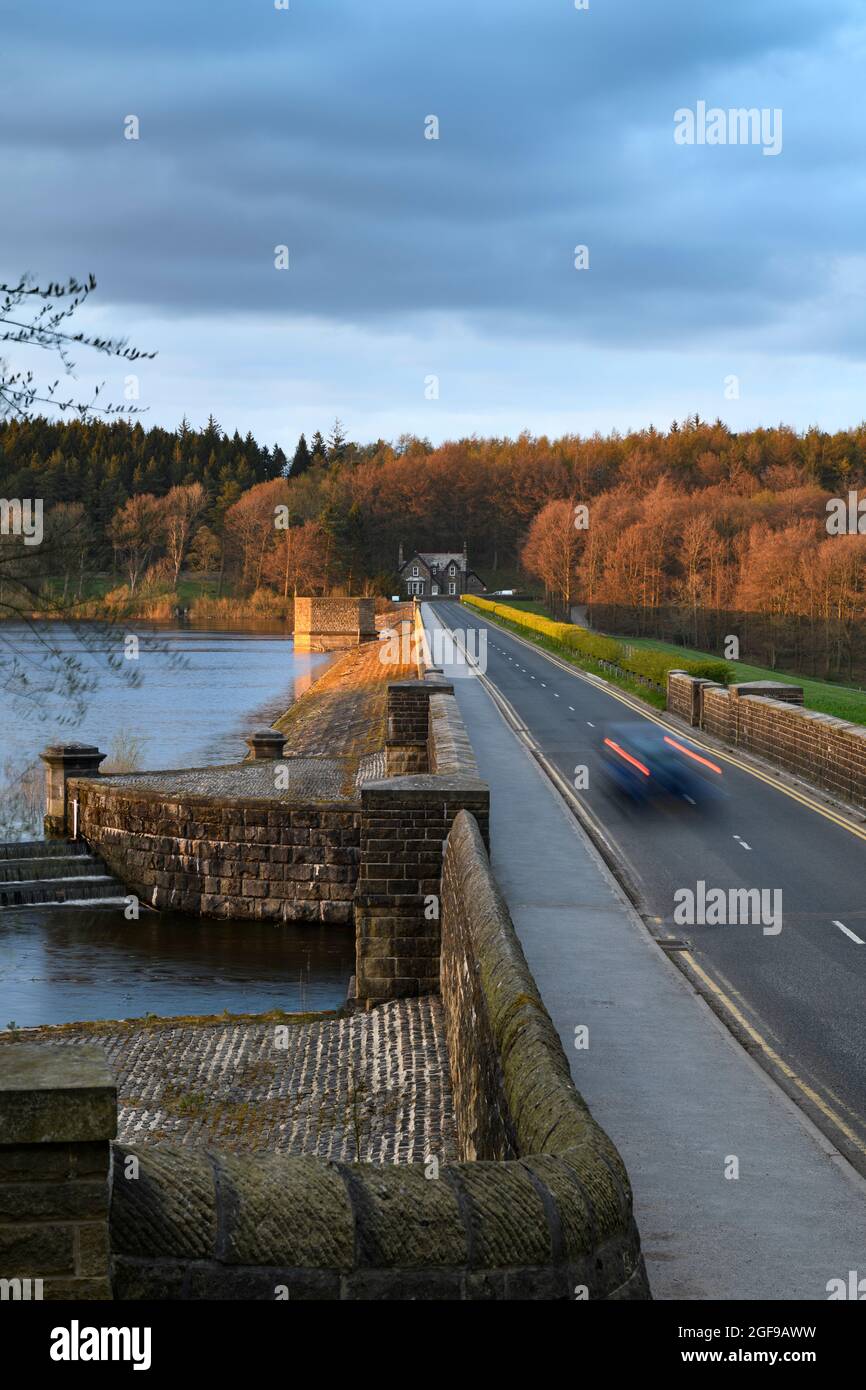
point(828, 753)
point(684, 696)
point(404, 824)
point(58, 1114)
point(411, 741)
point(333, 624)
point(226, 856)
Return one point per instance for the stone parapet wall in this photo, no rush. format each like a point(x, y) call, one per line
point(206, 1225)
point(717, 714)
point(58, 1114)
point(477, 938)
point(512, 1087)
point(226, 857)
point(829, 753)
point(449, 751)
point(408, 721)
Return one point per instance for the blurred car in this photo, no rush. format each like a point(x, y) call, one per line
point(646, 761)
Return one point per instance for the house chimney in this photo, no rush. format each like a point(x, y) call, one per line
point(465, 555)
point(400, 557)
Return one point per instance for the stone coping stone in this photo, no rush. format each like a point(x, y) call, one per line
point(760, 687)
point(420, 785)
point(54, 1095)
point(423, 686)
point(302, 779)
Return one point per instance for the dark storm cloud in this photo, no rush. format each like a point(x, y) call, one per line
point(261, 127)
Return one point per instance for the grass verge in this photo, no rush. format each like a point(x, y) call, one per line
point(650, 697)
point(842, 701)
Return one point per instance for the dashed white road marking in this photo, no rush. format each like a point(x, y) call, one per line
point(742, 843)
point(848, 932)
point(592, 726)
point(571, 707)
point(555, 696)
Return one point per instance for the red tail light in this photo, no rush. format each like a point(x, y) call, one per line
point(628, 757)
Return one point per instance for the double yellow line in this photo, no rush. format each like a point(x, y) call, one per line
point(805, 800)
point(707, 985)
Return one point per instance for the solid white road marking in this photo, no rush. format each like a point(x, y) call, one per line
point(848, 932)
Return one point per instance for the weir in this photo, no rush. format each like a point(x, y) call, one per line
point(55, 871)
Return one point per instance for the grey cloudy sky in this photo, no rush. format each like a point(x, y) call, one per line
point(412, 257)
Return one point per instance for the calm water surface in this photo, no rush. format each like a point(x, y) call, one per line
point(201, 692)
point(62, 965)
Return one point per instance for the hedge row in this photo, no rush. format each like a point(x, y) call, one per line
point(652, 665)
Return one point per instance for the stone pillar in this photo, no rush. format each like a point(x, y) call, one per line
point(408, 719)
point(404, 824)
point(62, 761)
point(58, 1115)
point(684, 696)
point(266, 743)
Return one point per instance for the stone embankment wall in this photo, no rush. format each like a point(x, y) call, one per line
point(539, 1207)
point(768, 720)
point(226, 857)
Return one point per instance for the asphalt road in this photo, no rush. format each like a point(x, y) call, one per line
point(802, 990)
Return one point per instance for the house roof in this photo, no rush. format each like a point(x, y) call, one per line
point(442, 558)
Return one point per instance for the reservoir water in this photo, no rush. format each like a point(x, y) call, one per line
point(200, 693)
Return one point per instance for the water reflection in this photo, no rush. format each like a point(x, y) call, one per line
point(62, 965)
point(183, 713)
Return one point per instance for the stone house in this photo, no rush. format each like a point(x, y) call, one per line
point(438, 574)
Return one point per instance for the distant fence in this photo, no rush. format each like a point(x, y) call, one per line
point(825, 650)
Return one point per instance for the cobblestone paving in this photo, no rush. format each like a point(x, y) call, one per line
point(374, 1087)
point(305, 779)
point(344, 712)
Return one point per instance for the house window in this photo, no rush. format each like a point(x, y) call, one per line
point(415, 571)
point(452, 570)
point(452, 588)
point(434, 589)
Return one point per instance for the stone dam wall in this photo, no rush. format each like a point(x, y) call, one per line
point(226, 856)
point(539, 1207)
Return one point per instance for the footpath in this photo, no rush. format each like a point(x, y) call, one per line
point(678, 1095)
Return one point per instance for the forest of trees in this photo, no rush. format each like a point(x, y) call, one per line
point(680, 524)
